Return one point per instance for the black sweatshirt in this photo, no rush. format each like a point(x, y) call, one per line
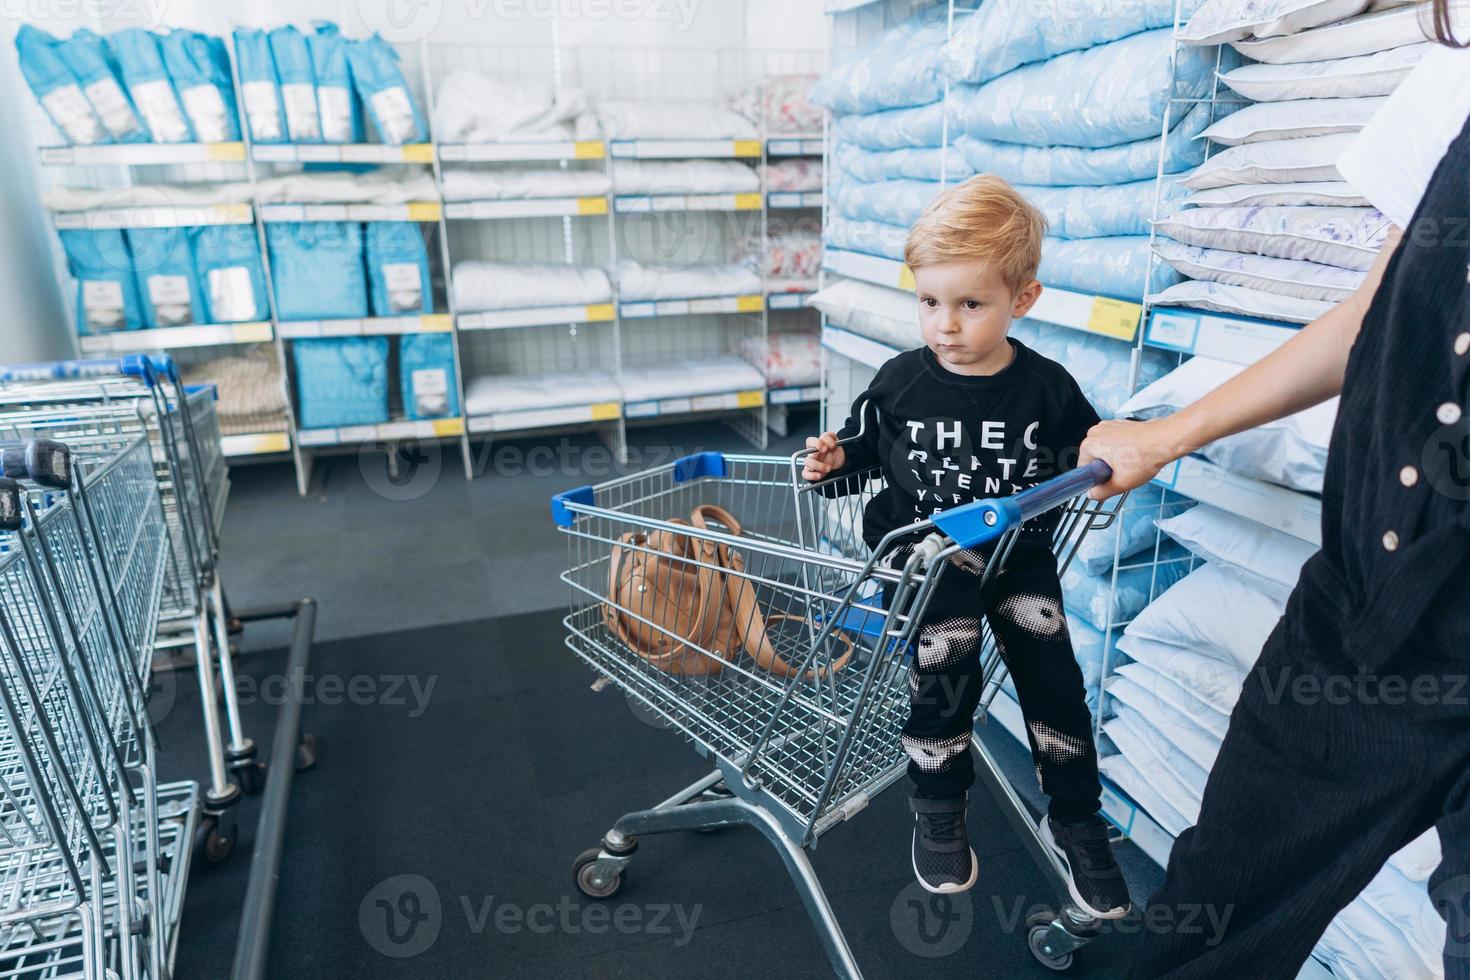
point(945, 439)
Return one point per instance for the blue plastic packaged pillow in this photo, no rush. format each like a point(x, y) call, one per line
point(921, 163)
point(1071, 212)
point(341, 381)
point(317, 269)
point(426, 376)
point(231, 276)
point(337, 105)
point(152, 92)
point(1117, 266)
point(894, 129)
point(1006, 34)
point(298, 84)
point(900, 67)
point(1131, 531)
point(1095, 599)
point(260, 91)
point(1103, 96)
point(56, 87)
point(90, 59)
point(380, 84)
point(200, 69)
point(872, 237)
point(168, 284)
point(107, 292)
point(1070, 165)
point(398, 269)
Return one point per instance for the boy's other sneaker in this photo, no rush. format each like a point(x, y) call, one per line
point(1093, 877)
point(942, 858)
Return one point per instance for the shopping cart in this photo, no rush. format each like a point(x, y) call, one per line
point(91, 865)
point(91, 403)
point(803, 727)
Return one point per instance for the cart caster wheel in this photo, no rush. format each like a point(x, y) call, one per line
point(212, 842)
point(306, 753)
point(1038, 925)
point(592, 882)
point(251, 777)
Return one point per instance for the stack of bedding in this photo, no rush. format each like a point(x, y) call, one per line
point(472, 108)
point(480, 285)
point(1270, 228)
point(1183, 661)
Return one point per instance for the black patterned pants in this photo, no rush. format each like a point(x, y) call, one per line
point(1023, 605)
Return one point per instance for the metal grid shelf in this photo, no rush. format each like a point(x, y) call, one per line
point(413, 211)
point(794, 199)
point(509, 152)
point(794, 396)
point(166, 216)
point(641, 203)
point(537, 316)
point(532, 207)
point(790, 300)
point(256, 444)
point(694, 306)
point(142, 154)
point(392, 431)
point(544, 418)
point(1239, 340)
point(720, 402)
point(795, 145)
point(373, 326)
point(675, 149)
point(177, 338)
point(342, 153)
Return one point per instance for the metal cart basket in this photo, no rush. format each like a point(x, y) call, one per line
point(799, 700)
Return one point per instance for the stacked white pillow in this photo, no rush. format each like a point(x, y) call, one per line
point(1272, 229)
point(1168, 711)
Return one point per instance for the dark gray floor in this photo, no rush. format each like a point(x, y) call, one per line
point(479, 795)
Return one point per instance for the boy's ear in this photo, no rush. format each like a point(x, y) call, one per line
point(1026, 299)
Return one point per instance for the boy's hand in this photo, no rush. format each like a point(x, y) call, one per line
point(828, 456)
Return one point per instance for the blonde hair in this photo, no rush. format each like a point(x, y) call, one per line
point(983, 218)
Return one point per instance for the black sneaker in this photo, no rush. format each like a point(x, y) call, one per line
point(1093, 877)
point(943, 860)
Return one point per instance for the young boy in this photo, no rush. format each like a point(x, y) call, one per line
point(976, 414)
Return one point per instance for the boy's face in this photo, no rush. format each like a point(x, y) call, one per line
point(965, 310)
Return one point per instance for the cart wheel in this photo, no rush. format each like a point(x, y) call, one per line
point(251, 777)
point(1038, 924)
point(306, 753)
point(212, 842)
point(590, 881)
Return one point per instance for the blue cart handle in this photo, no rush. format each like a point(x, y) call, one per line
point(138, 366)
point(974, 524)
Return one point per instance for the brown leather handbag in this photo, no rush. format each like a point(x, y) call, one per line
point(673, 596)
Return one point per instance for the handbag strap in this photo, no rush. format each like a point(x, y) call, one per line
point(750, 624)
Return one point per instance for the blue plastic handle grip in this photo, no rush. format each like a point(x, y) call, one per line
point(133, 366)
point(974, 524)
point(580, 495)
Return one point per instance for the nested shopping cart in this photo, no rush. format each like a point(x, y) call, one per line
point(93, 853)
point(798, 702)
point(91, 403)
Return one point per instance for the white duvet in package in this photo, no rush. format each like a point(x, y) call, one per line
point(686, 378)
point(507, 183)
point(683, 177)
point(672, 120)
point(521, 392)
point(637, 281)
point(472, 108)
point(482, 285)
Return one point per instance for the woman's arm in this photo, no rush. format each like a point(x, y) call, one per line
point(1302, 372)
